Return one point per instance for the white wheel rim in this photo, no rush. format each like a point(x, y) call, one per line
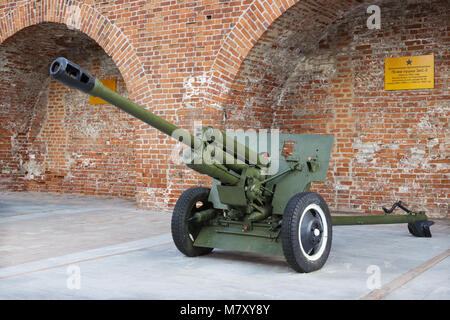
point(324, 238)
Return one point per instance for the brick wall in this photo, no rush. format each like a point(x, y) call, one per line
point(53, 139)
point(304, 66)
point(389, 145)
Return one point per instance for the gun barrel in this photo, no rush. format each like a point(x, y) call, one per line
point(233, 147)
point(73, 76)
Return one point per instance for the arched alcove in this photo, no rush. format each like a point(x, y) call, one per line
point(319, 69)
point(52, 138)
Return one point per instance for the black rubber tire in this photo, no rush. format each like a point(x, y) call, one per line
point(294, 254)
point(182, 230)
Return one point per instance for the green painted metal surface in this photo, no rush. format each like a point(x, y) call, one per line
point(307, 146)
point(377, 219)
point(135, 110)
point(233, 237)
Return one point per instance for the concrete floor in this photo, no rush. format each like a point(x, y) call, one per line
point(55, 246)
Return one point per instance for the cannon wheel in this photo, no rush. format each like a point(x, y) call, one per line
point(306, 232)
point(184, 233)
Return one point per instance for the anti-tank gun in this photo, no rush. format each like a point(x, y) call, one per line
point(257, 203)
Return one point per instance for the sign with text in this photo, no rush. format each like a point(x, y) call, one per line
point(405, 73)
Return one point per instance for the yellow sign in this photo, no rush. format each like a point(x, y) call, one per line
point(109, 83)
point(409, 73)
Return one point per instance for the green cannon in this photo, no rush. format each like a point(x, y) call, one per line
point(259, 201)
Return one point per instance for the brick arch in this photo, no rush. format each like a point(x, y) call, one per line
point(251, 28)
point(321, 71)
point(86, 19)
point(241, 39)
